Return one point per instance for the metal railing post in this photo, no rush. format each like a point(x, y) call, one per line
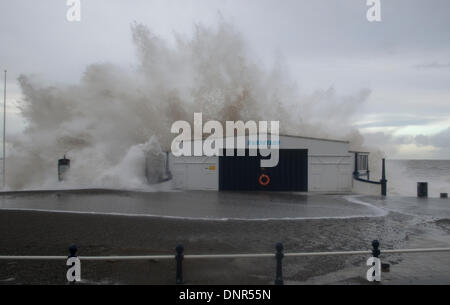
point(179, 258)
point(72, 253)
point(279, 257)
point(376, 248)
point(375, 252)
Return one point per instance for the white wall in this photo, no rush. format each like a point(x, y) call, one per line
point(329, 174)
point(195, 173)
point(366, 188)
point(329, 163)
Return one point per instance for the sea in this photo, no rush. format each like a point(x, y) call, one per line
point(403, 176)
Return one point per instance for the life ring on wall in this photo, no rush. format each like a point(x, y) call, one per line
point(264, 180)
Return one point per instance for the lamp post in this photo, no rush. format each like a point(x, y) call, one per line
point(4, 135)
point(383, 178)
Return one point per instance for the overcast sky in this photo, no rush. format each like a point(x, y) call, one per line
point(404, 59)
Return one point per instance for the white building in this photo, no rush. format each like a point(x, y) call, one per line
point(305, 164)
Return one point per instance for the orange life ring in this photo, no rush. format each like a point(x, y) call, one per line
point(261, 180)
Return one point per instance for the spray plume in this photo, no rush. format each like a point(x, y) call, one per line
point(112, 119)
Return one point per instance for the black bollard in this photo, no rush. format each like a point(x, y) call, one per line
point(375, 248)
point(73, 251)
point(375, 251)
point(63, 167)
point(179, 259)
point(279, 257)
point(422, 189)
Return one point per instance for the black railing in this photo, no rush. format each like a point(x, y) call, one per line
point(279, 255)
point(382, 182)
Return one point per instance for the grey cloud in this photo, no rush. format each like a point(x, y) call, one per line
point(399, 122)
point(440, 139)
point(383, 138)
point(389, 143)
point(433, 65)
point(422, 140)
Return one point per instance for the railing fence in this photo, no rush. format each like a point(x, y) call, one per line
point(180, 256)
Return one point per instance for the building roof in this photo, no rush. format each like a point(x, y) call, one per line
point(314, 138)
point(284, 135)
point(359, 152)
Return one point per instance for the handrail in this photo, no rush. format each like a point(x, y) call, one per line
point(180, 256)
point(220, 256)
point(366, 181)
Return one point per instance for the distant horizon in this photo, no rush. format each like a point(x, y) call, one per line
point(389, 159)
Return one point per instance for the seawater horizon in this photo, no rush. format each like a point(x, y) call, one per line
point(415, 159)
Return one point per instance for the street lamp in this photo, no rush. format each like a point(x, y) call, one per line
point(4, 135)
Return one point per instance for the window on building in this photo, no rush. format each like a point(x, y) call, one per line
point(363, 162)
